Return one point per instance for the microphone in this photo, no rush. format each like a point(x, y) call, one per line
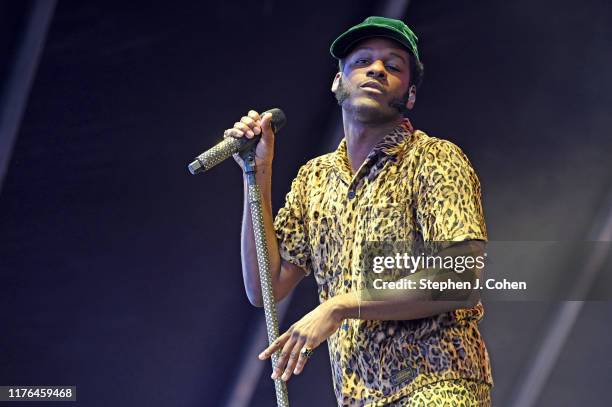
point(230, 145)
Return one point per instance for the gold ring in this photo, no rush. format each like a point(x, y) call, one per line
point(306, 352)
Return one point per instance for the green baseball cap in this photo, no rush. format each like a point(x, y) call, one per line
point(375, 26)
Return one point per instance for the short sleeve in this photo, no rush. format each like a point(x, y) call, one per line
point(289, 225)
point(448, 196)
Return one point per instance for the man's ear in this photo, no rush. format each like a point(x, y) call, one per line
point(411, 97)
point(336, 82)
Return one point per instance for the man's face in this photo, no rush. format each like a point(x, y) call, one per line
point(374, 82)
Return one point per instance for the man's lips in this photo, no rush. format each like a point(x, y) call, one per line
point(373, 85)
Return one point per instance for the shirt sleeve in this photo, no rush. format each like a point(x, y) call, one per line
point(289, 225)
point(448, 196)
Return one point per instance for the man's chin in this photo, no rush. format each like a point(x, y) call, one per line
point(371, 110)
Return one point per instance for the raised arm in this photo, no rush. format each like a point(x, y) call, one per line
point(285, 276)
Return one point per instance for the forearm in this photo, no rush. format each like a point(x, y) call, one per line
point(250, 269)
point(351, 306)
point(417, 300)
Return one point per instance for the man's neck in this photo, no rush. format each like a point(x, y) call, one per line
point(362, 137)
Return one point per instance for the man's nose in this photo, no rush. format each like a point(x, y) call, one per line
point(377, 69)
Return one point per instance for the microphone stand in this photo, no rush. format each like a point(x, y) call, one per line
point(263, 262)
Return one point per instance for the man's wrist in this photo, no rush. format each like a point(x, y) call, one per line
point(343, 306)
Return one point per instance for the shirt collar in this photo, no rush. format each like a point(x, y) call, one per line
point(389, 145)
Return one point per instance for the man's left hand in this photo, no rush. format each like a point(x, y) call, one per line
point(309, 332)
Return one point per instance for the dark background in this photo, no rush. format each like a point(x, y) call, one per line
point(120, 272)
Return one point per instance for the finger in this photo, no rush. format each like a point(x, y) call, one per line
point(244, 128)
point(293, 357)
point(281, 362)
point(302, 359)
point(255, 117)
point(233, 133)
point(250, 123)
point(274, 346)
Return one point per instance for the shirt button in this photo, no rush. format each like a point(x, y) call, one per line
point(351, 194)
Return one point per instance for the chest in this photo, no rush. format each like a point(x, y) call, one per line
point(373, 208)
point(342, 217)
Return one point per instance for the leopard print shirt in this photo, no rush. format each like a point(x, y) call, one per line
point(411, 187)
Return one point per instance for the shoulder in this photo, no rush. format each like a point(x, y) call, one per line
point(435, 151)
point(315, 167)
point(435, 145)
point(325, 160)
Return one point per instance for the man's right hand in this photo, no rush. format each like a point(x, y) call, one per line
point(250, 126)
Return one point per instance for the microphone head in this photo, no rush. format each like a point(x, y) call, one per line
point(278, 119)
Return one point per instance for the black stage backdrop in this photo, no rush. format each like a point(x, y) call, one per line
point(120, 272)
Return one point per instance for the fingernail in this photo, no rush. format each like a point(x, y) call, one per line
point(285, 377)
point(273, 376)
point(250, 133)
point(257, 130)
point(260, 356)
point(296, 372)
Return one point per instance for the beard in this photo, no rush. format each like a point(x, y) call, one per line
point(398, 104)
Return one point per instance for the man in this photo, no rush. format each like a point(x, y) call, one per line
point(386, 181)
